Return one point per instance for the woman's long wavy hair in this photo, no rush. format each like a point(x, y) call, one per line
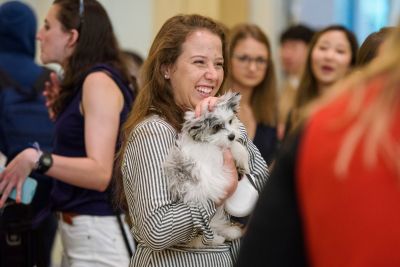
point(96, 44)
point(264, 97)
point(156, 95)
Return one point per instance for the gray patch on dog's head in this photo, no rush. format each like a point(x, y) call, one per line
point(201, 127)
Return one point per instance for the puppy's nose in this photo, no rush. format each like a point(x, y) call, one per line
point(231, 137)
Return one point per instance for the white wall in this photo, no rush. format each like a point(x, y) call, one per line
point(131, 19)
point(271, 16)
point(316, 13)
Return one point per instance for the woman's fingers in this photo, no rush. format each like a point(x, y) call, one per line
point(207, 104)
point(18, 198)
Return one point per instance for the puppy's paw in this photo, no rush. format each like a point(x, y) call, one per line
point(218, 240)
point(232, 232)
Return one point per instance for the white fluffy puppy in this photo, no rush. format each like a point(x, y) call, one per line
point(194, 166)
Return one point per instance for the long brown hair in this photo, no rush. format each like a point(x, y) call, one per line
point(156, 94)
point(264, 97)
point(308, 88)
point(370, 47)
point(96, 44)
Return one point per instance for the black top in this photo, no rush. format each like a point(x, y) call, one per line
point(274, 236)
point(266, 141)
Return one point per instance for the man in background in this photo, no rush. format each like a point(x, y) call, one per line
point(293, 54)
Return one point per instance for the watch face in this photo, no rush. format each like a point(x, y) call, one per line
point(46, 161)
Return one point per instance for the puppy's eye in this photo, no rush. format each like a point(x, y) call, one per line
point(195, 128)
point(230, 121)
point(217, 127)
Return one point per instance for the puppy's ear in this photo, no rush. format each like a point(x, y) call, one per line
point(195, 129)
point(193, 126)
point(231, 101)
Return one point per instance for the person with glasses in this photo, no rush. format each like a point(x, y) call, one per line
point(333, 198)
point(252, 74)
point(89, 105)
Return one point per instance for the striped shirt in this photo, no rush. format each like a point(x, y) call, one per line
point(162, 226)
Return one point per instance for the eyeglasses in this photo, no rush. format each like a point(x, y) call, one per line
point(247, 60)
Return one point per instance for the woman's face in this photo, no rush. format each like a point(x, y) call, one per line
point(198, 72)
point(249, 63)
point(55, 42)
point(331, 57)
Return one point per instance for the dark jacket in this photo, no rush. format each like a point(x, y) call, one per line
point(23, 115)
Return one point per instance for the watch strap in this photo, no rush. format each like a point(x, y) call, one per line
point(44, 163)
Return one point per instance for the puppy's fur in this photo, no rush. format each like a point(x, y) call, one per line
point(195, 168)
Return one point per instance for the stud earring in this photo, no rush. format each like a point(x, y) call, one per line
point(166, 76)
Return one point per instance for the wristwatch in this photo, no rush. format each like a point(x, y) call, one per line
point(44, 163)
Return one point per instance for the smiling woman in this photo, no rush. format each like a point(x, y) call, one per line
point(199, 67)
point(184, 71)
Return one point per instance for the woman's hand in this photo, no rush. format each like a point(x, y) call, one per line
point(51, 92)
point(205, 104)
point(229, 164)
point(15, 174)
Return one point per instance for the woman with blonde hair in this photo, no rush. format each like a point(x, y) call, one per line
point(338, 180)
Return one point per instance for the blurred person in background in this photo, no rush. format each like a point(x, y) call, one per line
point(294, 42)
point(373, 46)
point(339, 205)
point(89, 105)
point(252, 74)
point(23, 120)
point(331, 56)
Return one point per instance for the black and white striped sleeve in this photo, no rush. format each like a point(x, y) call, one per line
point(158, 221)
point(258, 167)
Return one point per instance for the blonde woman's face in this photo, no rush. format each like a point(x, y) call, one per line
point(198, 72)
point(331, 57)
point(249, 63)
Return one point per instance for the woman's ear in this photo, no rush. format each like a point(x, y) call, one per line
point(73, 38)
point(166, 71)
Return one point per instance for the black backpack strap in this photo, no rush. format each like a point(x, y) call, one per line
point(124, 235)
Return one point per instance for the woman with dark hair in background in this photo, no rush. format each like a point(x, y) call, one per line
point(333, 198)
point(92, 102)
point(372, 46)
point(331, 56)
